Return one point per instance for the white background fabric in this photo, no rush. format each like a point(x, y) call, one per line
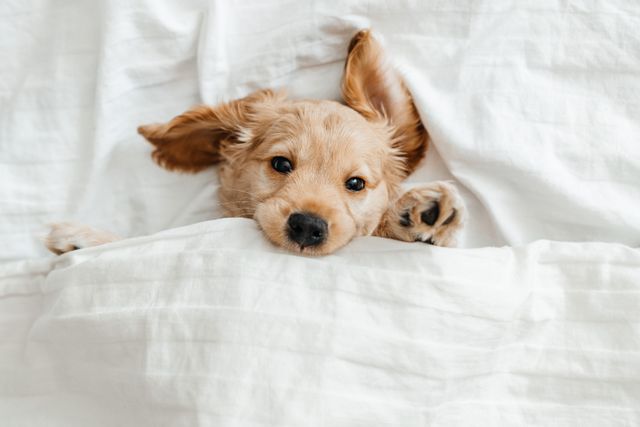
point(533, 111)
point(210, 325)
point(532, 106)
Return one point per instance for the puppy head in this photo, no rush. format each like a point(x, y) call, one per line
point(314, 174)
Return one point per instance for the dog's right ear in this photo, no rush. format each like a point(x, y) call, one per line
point(195, 139)
point(373, 88)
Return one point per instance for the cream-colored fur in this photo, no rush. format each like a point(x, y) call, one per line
point(66, 236)
point(376, 136)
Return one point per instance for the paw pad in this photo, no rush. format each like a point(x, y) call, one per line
point(451, 217)
point(430, 216)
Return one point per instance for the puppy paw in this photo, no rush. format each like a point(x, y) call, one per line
point(66, 237)
point(432, 214)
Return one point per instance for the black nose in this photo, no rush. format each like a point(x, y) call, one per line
point(306, 229)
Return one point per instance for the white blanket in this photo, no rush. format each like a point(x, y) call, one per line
point(533, 112)
point(210, 325)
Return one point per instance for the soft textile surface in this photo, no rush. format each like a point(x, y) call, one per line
point(533, 106)
point(212, 326)
point(533, 110)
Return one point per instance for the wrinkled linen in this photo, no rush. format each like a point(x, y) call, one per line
point(532, 106)
point(533, 112)
point(211, 325)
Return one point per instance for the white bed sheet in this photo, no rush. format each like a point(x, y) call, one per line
point(533, 110)
point(213, 326)
point(533, 106)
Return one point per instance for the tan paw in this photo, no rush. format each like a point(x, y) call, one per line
point(433, 213)
point(66, 237)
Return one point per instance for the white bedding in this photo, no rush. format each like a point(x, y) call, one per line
point(213, 326)
point(533, 112)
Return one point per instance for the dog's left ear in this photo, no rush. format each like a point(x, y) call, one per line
point(373, 88)
point(205, 135)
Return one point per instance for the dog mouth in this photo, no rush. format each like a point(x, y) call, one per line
point(427, 240)
point(318, 250)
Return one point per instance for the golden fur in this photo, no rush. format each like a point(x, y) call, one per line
point(377, 135)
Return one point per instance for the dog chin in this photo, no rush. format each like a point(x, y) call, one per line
point(319, 250)
point(323, 249)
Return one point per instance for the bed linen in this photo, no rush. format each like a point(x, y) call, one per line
point(211, 325)
point(532, 105)
point(533, 112)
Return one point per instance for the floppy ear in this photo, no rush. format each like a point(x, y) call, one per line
point(373, 88)
point(196, 139)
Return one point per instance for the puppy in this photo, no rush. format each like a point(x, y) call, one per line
point(313, 174)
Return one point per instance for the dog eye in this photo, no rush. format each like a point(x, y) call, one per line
point(281, 164)
point(354, 184)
